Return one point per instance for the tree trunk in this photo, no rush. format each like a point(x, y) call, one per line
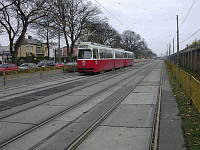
point(18, 43)
point(48, 41)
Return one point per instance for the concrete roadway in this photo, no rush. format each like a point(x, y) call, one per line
point(129, 127)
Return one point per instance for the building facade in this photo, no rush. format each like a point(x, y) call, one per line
point(5, 55)
point(75, 50)
point(30, 47)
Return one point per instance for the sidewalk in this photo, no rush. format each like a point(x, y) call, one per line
point(171, 136)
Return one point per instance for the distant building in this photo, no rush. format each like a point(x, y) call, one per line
point(4, 54)
point(53, 50)
point(31, 47)
point(74, 50)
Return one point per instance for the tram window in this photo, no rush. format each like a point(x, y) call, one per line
point(119, 54)
point(125, 55)
point(85, 54)
point(102, 53)
point(109, 53)
point(122, 55)
point(95, 53)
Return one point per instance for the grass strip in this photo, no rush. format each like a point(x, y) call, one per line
point(188, 111)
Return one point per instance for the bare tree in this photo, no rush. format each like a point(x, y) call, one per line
point(71, 17)
point(45, 30)
point(133, 42)
point(101, 32)
point(16, 16)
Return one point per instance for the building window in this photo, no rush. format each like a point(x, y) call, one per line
point(27, 48)
point(37, 49)
point(31, 48)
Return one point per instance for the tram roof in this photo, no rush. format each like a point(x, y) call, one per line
point(91, 45)
point(128, 52)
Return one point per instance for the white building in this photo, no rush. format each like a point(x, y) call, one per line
point(4, 54)
point(52, 48)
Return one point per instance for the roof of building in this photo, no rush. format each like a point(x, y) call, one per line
point(31, 41)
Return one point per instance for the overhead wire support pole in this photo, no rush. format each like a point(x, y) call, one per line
point(59, 44)
point(169, 52)
point(173, 52)
point(177, 43)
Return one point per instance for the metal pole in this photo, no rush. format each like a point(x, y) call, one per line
point(177, 43)
point(195, 59)
point(173, 50)
point(169, 52)
point(191, 61)
point(4, 78)
point(59, 44)
point(188, 59)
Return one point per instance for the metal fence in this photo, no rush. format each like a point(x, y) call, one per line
point(27, 73)
point(191, 85)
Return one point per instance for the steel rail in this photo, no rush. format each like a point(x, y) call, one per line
point(32, 84)
point(155, 125)
point(156, 135)
point(100, 80)
point(83, 136)
point(65, 111)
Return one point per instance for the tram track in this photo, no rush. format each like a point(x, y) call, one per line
point(46, 99)
point(86, 133)
point(30, 88)
point(67, 110)
point(53, 78)
point(37, 83)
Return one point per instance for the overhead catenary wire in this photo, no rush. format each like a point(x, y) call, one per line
point(112, 15)
point(184, 21)
point(187, 13)
point(140, 7)
point(190, 36)
point(134, 23)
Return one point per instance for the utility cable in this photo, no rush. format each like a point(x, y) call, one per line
point(187, 14)
point(190, 36)
point(113, 15)
point(139, 7)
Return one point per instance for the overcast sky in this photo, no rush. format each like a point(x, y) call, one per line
point(154, 20)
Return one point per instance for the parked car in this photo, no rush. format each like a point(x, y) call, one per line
point(27, 65)
point(59, 64)
point(4, 67)
point(70, 66)
point(46, 63)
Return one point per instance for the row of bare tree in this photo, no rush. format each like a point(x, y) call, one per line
point(74, 20)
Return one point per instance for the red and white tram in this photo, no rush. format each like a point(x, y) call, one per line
point(128, 58)
point(94, 58)
point(118, 58)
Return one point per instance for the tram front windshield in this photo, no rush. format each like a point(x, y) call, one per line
point(85, 54)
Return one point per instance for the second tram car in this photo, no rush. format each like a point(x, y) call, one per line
point(118, 58)
point(128, 58)
point(94, 58)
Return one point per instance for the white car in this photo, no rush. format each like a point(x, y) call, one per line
point(27, 65)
